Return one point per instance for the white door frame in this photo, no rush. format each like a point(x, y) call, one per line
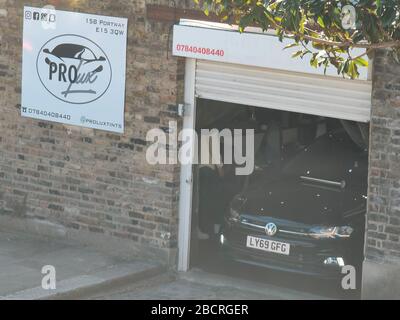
point(186, 181)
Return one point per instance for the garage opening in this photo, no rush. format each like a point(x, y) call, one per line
point(299, 217)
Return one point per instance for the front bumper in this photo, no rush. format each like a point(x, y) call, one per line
point(307, 256)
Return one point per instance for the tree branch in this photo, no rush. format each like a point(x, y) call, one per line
point(345, 44)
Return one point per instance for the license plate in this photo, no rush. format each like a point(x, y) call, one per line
point(268, 245)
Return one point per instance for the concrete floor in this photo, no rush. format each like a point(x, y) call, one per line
point(170, 287)
point(22, 257)
point(199, 285)
point(85, 273)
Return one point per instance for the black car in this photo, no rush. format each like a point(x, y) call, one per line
point(306, 217)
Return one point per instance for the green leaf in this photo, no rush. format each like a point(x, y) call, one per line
point(314, 61)
point(297, 53)
point(361, 62)
point(304, 53)
point(291, 46)
point(317, 46)
point(352, 70)
point(321, 22)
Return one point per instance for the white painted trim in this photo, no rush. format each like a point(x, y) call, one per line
point(224, 44)
point(186, 181)
point(223, 26)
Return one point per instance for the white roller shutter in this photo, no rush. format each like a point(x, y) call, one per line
point(282, 90)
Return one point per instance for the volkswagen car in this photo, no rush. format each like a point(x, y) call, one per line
point(307, 216)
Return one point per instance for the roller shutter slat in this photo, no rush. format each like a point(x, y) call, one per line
point(282, 90)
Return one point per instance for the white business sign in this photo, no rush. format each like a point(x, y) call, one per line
point(73, 68)
point(223, 43)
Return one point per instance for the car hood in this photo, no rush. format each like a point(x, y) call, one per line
point(309, 203)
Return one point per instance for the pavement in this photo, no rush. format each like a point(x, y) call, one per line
point(80, 270)
point(85, 273)
point(199, 285)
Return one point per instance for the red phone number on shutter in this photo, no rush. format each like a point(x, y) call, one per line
point(199, 50)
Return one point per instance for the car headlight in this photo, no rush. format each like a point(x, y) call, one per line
point(331, 232)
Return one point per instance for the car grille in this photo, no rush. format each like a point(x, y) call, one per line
point(284, 231)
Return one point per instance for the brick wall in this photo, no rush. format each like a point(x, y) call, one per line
point(383, 228)
point(86, 179)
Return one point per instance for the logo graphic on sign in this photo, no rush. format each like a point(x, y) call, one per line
point(74, 69)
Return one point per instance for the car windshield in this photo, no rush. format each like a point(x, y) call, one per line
point(333, 157)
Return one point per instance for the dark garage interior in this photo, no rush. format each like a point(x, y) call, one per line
point(309, 182)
